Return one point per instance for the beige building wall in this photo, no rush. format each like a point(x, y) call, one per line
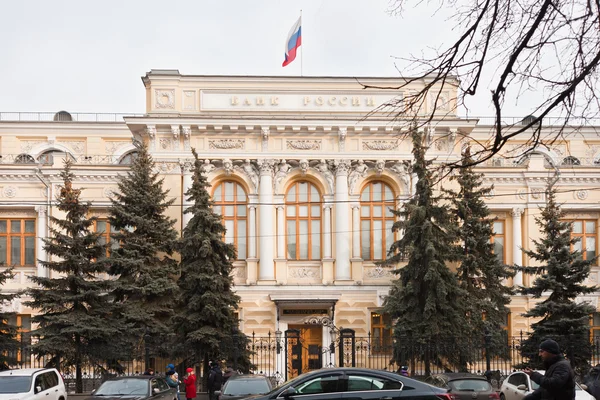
point(266, 134)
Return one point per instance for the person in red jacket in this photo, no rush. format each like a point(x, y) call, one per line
point(190, 384)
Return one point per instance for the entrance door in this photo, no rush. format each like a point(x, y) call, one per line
point(311, 339)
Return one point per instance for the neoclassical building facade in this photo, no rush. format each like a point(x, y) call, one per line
point(303, 171)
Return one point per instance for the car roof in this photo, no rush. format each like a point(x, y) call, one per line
point(22, 372)
point(246, 377)
point(118, 378)
point(452, 376)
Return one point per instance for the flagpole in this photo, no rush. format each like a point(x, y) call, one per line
point(301, 46)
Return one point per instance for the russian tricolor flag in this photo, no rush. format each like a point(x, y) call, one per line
point(294, 40)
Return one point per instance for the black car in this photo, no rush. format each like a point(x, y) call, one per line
point(241, 386)
point(134, 387)
point(465, 386)
point(355, 384)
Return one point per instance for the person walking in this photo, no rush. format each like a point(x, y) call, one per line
point(558, 382)
point(172, 378)
point(190, 384)
point(215, 380)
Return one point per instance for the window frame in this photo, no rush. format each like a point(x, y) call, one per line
point(22, 235)
point(583, 235)
point(380, 345)
point(107, 235)
point(499, 235)
point(235, 218)
point(371, 218)
point(309, 218)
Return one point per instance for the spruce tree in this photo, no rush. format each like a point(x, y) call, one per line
point(142, 263)
point(480, 273)
point(206, 321)
point(72, 303)
point(8, 333)
point(560, 275)
point(426, 302)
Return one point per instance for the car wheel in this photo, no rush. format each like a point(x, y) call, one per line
point(502, 396)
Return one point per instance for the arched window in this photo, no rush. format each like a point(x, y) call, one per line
point(303, 221)
point(570, 160)
point(129, 158)
point(24, 159)
point(47, 157)
point(376, 220)
point(231, 202)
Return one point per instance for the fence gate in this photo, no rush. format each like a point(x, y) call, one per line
point(347, 348)
point(293, 353)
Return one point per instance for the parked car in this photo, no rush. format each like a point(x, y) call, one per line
point(134, 387)
point(465, 386)
point(354, 384)
point(518, 385)
point(240, 386)
point(32, 384)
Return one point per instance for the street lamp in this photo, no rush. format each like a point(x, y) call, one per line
point(333, 335)
point(278, 334)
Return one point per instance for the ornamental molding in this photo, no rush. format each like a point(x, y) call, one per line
point(18, 213)
point(378, 272)
point(227, 144)
point(112, 146)
point(27, 145)
point(10, 191)
point(380, 145)
point(304, 144)
point(305, 272)
point(164, 99)
point(580, 195)
point(76, 146)
point(166, 144)
point(109, 192)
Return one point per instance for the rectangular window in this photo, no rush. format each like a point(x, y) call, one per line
point(585, 233)
point(595, 326)
point(17, 242)
point(498, 239)
point(103, 226)
point(381, 337)
point(23, 324)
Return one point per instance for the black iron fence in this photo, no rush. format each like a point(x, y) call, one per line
point(287, 354)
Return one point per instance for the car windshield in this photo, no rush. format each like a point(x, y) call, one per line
point(123, 387)
point(470, 385)
point(15, 384)
point(251, 386)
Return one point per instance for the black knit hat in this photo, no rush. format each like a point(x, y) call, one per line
point(550, 346)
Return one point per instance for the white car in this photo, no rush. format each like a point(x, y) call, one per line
point(32, 384)
point(518, 385)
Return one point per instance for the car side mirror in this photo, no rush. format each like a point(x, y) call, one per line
point(217, 392)
point(38, 389)
point(289, 392)
point(584, 387)
point(522, 387)
point(155, 391)
point(93, 391)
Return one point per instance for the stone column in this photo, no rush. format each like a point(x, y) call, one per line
point(342, 225)
point(265, 226)
point(281, 232)
point(327, 231)
point(186, 169)
point(356, 231)
point(251, 231)
point(41, 232)
point(517, 244)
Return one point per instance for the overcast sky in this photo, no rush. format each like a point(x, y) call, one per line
point(88, 56)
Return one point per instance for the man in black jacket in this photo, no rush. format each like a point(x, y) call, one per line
point(558, 382)
point(215, 380)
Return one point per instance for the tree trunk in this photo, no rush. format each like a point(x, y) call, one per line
point(78, 375)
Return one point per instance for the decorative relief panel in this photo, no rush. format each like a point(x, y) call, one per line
point(9, 191)
point(378, 272)
point(164, 99)
point(165, 144)
point(305, 272)
point(112, 146)
point(18, 213)
point(227, 144)
point(239, 272)
point(581, 194)
point(380, 145)
point(189, 100)
point(303, 144)
point(77, 146)
point(27, 145)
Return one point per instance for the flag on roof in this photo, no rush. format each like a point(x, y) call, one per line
point(294, 40)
